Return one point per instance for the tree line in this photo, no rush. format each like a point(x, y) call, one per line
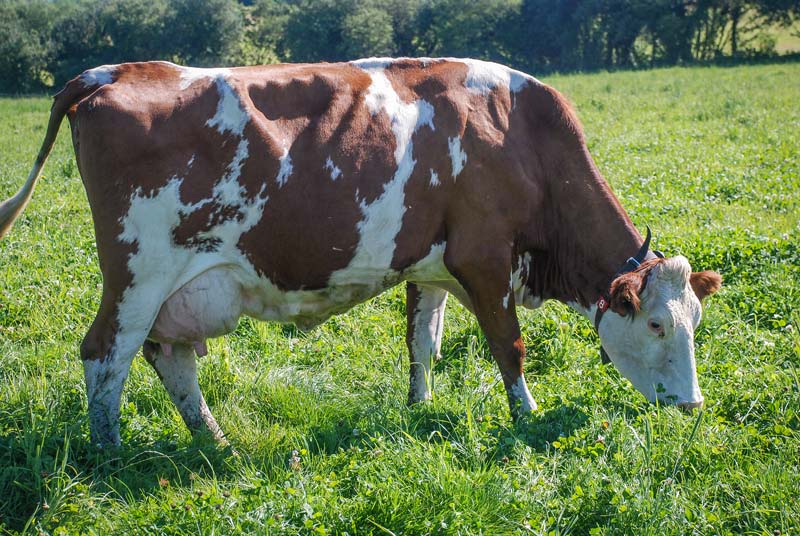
point(43, 43)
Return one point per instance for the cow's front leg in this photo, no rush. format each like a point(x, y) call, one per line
point(486, 277)
point(425, 307)
point(177, 369)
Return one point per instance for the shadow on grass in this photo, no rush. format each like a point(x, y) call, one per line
point(422, 422)
point(427, 423)
point(43, 465)
point(539, 430)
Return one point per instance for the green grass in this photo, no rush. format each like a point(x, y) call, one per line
point(708, 157)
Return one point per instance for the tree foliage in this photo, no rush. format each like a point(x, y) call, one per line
point(25, 45)
point(46, 42)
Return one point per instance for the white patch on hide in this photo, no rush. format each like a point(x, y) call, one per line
point(190, 75)
point(371, 64)
point(308, 308)
point(383, 218)
point(520, 395)
point(285, 169)
point(484, 76)
point(228, 190)
point(334, 170)
point(519, 278)
point(159, 267)
point(510, 290)
point(99, 76)
point(156, 261)
point(405, 118)
point(231, 115)
point(457, 156)
point(434, 178)
point(430, 268)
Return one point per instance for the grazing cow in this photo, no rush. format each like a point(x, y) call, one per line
point(293, 192)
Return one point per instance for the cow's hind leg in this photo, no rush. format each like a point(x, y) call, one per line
point(178, 372)
point(425, 307)
point(107, 352)
point(127, 312)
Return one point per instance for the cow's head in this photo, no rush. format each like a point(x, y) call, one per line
point(649, 330)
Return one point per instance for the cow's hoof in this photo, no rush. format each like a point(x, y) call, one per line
point(415, 397)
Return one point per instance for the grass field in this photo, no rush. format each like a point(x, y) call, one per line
point(324, 443)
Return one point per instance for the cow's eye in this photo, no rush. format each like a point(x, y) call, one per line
point(656, 327)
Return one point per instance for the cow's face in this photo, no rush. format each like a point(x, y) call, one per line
point(649, 331)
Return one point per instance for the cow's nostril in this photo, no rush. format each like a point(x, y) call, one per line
point(689, 406)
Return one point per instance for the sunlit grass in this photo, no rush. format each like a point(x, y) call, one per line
point(322, 440)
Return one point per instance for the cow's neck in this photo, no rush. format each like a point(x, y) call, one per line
point(591, 234)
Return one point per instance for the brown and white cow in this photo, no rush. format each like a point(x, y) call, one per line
point(293, 192)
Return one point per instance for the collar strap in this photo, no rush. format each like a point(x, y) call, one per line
point(603, 303)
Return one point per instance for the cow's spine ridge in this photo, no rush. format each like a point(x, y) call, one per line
point(73, 91)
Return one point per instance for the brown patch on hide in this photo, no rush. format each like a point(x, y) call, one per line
point(705, 283)
point(626, 289)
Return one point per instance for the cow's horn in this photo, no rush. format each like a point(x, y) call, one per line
point(645, 247)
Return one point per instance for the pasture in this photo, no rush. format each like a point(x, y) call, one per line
point(322, 441)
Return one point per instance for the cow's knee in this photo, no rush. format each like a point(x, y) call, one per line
point(177, 369)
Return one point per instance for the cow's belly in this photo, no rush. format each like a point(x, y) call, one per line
point(309, 308)
point(211, 303)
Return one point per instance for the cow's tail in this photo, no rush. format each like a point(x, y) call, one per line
point(74, 91)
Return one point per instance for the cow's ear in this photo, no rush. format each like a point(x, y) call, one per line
point(705, 283)
point(625, 293)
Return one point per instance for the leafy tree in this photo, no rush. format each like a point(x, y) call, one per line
point(265, 28)
point(622, 22)
point(403, 15)
point(49, 41)
point(203, 32)
point(469, 28)
point(25, 46)
point(87, 33)
point(314, 31)
point(79, 39)
point(136, 29)
point(367, 31)
point(550, 34)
